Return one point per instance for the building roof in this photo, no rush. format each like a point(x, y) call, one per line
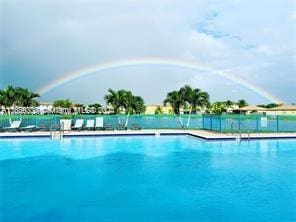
point(251, 108)
point(284, 107)
point(152, 105)
point(45, 103)
point(161, 105)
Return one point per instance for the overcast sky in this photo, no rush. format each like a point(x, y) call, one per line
point(42, 40)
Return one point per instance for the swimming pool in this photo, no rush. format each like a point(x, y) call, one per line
point(147, 178)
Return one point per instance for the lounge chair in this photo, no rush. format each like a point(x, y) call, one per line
point(29, 128)
point(78, 124)
point(99, 123)
point(90, 124)
point(42, 127)
point(55, 127)
point(65, 124)
point(108, 127)
point(15, 125)
point(121, 127)
point(135, 127)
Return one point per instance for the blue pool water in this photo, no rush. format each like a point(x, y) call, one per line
point(167, 178)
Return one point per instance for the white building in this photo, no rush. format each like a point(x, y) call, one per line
point(45, 107)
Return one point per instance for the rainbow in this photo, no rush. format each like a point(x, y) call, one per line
point(227, 74)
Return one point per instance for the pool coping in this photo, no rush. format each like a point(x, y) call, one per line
point(201, 134)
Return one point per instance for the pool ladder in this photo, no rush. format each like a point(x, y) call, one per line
point(56, 134)
point(238, 136)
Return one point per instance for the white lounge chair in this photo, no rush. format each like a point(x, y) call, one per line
point(90, 124)
point(65, 125)
point(78, 124)
point(28, 128)
point(15, 125)
point(99, 122)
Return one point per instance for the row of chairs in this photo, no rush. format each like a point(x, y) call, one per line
point(91, 124)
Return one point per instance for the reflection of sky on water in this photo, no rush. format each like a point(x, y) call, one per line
point(90, 147)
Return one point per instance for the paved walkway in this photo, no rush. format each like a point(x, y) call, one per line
point(203, 134)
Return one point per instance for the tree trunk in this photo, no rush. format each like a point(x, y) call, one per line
point(180, 121)
point(127, 118)
point(188, 119)
point(9, 115)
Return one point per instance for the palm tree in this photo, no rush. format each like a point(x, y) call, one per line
point(124, 99)
point(11, 97)
point(186, 93)
point(269, 105)
point(174, 99)
point(79, 107)
point(96, 106)
point(242, 103)
point(8, 98)
point(18, 97)
point(1, 97)
point(158, 110)
point(63, 103)
point(228, 103)
point(25, 98)
point(113, 98)
point(131, 104)
point(218, 107)
point(194, 98)
point(138, 105)
point(197, 98)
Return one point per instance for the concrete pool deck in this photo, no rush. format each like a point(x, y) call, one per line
point(202, 134)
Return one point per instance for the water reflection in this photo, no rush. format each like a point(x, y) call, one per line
point(83, 148)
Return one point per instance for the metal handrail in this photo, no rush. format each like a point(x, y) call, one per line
point(60, 131)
